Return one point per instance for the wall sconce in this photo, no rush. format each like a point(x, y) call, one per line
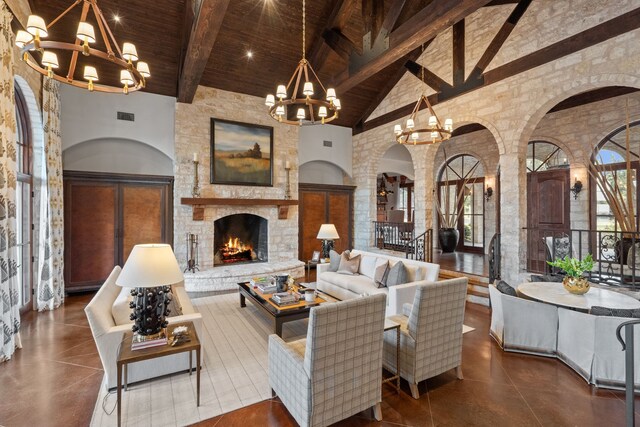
point(576, 189)
point(488, 193)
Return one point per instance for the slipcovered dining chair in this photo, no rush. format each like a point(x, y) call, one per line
point(336, 371)
point(430, 333)
point(523, 326)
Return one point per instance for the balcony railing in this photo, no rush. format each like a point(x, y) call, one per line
point(394, 236)
point(421, 248)
point(616, 254)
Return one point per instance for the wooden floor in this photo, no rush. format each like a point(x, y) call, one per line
point(54, 381)
point(463, 262)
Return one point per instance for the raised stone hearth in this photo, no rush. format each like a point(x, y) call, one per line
point(227, 277)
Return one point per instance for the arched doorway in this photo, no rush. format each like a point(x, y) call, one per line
point(461, 197)
point(548, 204)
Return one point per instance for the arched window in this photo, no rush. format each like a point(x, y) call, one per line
point(23, 196)
point(611, 151)
point(542, 156)
point(465, 173)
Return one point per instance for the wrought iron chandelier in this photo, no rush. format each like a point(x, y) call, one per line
point(434, 132)
point(309, 110)
point(132, 78)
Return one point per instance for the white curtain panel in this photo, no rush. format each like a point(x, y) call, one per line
point(50, 275)
point(9, 301)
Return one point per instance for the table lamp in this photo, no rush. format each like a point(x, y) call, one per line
point(327, 234)
point(149, 270)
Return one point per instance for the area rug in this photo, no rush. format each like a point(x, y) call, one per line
point(234, 371)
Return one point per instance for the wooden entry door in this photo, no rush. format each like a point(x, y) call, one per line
point(324, 204)
point(547, 211)
point(105, 216)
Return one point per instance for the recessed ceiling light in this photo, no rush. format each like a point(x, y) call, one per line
point(249, 54)
point(116, 18)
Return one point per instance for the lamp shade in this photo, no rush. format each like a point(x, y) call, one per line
point(328, 232)
point(280, 110)
point(143, 69)
point(270, 101)
point(85, 32)
point(49, 59)
point(129, 52)
point(331, 94)
point(337, 104)
point(126, 78)
point(150, 265)
point(90, 73)
point(307, 89)
point(301, 114)
point(322, 111)
point(281, 91)
point(36, 26)
point(23, 38)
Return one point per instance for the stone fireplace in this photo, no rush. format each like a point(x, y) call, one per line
point(240, 238)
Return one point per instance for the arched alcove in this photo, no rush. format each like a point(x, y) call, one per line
point(116, 155)
point(397, 159)
point(322, 172)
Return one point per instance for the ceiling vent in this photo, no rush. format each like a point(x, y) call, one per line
point(327, 143)
point(130, 117)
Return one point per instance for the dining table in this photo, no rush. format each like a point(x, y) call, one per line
point(554, 293)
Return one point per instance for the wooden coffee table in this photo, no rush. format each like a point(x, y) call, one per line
point(278, 314)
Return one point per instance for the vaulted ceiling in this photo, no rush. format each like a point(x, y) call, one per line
point(192, 42)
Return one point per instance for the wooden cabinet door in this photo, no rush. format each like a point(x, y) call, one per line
point(312, 216)
point(143, 216)
point(339, 214)
point(91, 251)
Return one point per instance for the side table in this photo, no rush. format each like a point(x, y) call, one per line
point(127, 356)
point(388, 326)
point(309, 264)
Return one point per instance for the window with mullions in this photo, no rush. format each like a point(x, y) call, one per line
point(23, 197)
point(465, 171)
point(611, 153)
point(542, 156)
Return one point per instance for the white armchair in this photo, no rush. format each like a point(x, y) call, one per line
point(431, 334)
point(108, 336)
point(336, 371)
point(523, 326)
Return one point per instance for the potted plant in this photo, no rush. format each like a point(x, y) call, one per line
point(449, 214)
point(573, 282)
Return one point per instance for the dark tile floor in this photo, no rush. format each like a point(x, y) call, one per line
point(54, 381)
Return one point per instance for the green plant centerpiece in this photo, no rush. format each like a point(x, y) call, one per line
point(573, 282)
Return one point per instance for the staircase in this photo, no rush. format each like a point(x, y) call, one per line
point(477, 289)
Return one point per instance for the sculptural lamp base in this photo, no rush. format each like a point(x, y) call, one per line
point(327, 246)
point(150, 309)
point(576, 285)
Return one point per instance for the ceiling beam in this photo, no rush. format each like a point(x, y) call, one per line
point(424, 25)
point(390, 19)
point(430, 78)
point(339, 43)
point(458, 53)
point(337, 20)
point(207, 23)
point(619, 25)
point(501, 36)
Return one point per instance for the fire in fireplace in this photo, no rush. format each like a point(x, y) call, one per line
point(240, 238)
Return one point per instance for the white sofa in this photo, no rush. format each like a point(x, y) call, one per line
point(344, 286)
point(588, 344)
point(108, 335)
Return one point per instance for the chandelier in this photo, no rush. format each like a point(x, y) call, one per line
point(432, 133)
point(132, 78)
point(309, 110)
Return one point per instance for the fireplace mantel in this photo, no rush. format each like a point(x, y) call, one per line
point(198, 204)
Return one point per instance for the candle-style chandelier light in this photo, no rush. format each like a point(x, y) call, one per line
point(432, 133)
point(308, 110)
point(132, 78)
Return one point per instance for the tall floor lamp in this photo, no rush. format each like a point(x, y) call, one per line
point(149, 270)
point(327, 234)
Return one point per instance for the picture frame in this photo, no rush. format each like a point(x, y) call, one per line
point(316, 256)
point(241, 153)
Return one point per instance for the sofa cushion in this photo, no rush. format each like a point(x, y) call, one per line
point(334, 259)
point(120, 310)
point(506, 288)
point(359, 284)
point(614, 312)
point(397, 275)
point(349, 265)
point(382, 269)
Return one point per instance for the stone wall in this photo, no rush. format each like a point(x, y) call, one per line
point(510, 109)
point(193, 134)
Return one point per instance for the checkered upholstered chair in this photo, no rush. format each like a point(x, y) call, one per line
point(336, 371)
point(430, 333)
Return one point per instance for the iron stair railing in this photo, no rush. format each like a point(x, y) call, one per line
point(627, 347)
point(494, 258)
point(421, 248)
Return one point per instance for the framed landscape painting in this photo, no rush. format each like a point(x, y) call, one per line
point(241, 153)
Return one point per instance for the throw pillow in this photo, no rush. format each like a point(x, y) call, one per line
point(633, 259)
point(334, 260)
point(349, 265)
point(120, 310)
point(597, 310)
point(397, 275)
point(506, 288)
point(368, 266)
point(174, 307)
point(381, 271)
